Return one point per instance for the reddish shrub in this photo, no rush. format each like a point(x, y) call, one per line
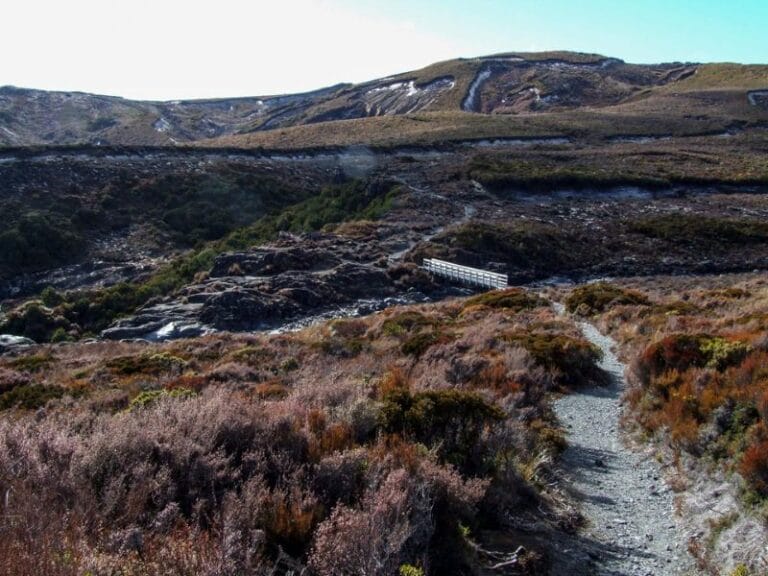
point(393, 380)
point(195, 383)
point(754, 467)
point(676, 352)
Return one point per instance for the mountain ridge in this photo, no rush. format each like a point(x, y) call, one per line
point(515, 92)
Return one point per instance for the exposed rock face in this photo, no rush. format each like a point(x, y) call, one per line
point(271, 262)
point(240, 310)
point(270, 286)
point(160, 322)
point(264, 302)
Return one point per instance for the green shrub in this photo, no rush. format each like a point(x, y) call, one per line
point(544, 247)
point(61, 335)
point(572, 360)
point(150, 397)
point(722, 353)
point(353, 200)
point(340, 347)
point(417, 344)
point(39, 240)
point(289, 365)
point(33, 321)
point(149, 364)
point(680, 352)
point(29, 396)
point(544, 175)
point(50, 297)
point(598, 297)
point(740, 570)
point(451, 419)
point(514, 299)
point(406, 322)
point(410, 570)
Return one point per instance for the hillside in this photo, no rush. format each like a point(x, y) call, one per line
point(517, 94)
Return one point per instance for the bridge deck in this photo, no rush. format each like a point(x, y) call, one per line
point(465, 274)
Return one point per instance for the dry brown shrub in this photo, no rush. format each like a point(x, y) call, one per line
point(393, 380)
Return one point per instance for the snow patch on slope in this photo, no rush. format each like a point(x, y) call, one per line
point(162, 125)
point(470, 102)
point(411, 89)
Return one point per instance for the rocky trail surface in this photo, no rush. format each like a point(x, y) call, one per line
point(629, 510)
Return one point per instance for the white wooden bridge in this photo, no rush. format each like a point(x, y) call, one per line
point(465, 274)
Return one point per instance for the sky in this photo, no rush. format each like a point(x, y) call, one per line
point(179, 49)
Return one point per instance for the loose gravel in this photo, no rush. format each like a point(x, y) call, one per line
point(631, 527)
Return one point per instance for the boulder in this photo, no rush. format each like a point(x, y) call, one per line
point(10, 342)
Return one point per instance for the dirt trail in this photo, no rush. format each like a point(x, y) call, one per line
point(628, 506)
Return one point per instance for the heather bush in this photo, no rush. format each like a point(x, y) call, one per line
point(393, 525)
point(10, 379)
point(31, 363)
point(699, 368)
point(340, 477)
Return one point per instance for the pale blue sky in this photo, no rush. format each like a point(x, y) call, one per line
point(640, 31)
point(173, 49)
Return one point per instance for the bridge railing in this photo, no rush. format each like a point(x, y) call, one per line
point(465, 274)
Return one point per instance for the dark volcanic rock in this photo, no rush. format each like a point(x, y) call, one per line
point(164, 321)
point(241, 310)
point(268, 262)
point(358, 281)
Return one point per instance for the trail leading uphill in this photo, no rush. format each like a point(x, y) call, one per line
point(627, 505)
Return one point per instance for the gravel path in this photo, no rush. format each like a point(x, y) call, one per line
point(631, 527)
